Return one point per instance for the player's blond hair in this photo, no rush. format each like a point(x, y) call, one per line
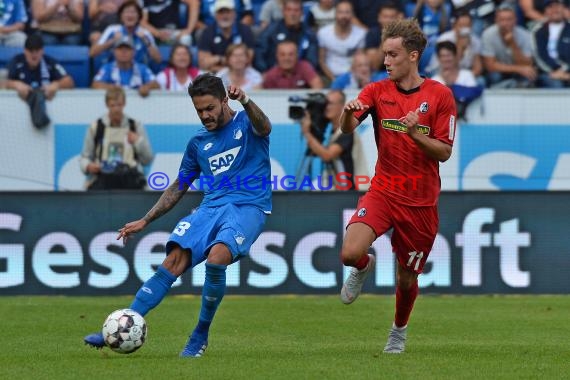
point(413, 39)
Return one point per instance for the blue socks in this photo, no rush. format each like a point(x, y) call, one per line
point(212, 294)
point(153, 291)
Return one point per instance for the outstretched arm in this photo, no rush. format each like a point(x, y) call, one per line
point(167, 200)
point(260, 121)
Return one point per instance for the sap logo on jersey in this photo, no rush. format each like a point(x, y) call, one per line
point(223, 161)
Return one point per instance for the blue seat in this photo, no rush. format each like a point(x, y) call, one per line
point(75, 59)
point(7, 53)
point(165, 54)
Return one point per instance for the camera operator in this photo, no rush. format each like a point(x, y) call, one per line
point(115, 148)
point(337, 154)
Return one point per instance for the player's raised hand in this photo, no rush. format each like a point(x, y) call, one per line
point(236, 93)
point(355, 105)
point(130, 229)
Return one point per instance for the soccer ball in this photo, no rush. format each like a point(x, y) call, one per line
point(124, 331)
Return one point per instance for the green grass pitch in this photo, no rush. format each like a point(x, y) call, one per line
point(290, 337)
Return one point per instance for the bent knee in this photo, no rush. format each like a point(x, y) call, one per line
point(406, 279)
point(220, 254)
point(351, 253)
point(177, 261)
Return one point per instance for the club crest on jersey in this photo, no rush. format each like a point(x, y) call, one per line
point(208, 146)
point(361, 212)
point(237, 134)
point(239, 238)
point(424, 107)
point(222, 162)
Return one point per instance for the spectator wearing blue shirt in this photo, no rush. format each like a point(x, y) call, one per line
point(360, 74)
point(13, 20)
point(125, 72)
point(130, 15)
point(434, 19)
point(35, 70)
point(226, 31)
point(36, 77)
point(291, 28)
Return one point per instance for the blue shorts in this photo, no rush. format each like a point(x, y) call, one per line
point(238, 227)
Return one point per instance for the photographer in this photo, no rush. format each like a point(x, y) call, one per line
point(337, 154)
point(115, 148)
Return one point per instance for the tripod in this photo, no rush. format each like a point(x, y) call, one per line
point(305, 169)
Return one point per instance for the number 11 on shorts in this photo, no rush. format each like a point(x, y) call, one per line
point(415, 256)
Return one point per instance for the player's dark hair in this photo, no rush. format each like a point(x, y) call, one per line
point(413, 39)
point(207, 84)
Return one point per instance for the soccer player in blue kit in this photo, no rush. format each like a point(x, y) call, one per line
point(232, 146)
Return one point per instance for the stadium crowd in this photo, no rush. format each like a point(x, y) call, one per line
point(289, 44)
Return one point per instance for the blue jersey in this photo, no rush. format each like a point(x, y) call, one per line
point(231, 165)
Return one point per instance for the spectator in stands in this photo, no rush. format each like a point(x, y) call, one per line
point(450, 71)
point(551, 46)
point(434, 19)
point(239, 72)
point(366, 11)
point(35, 70)
point(360, 74)
point(59, 21)
point(36, 77)
point(243, 8)
point(180, 72)
point(482, 12)
point(217, 37)
point(320, 14)
point(507, 51)
point(115, 148)
point(388, 12)
point(467, 42)
point(102, 13)
point(124, 71)
point(339, 41)
point(534, 11)
point(13, 18)
point(130, 14)
point(290, 28)
point(290, 72)
point(162, 19)
point(271, 11)
point(462, 82)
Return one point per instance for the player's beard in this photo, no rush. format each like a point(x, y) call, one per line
point(218, 123)
point(220, 120)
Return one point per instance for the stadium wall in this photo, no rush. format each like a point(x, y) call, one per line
point(513, 140)
point(58, 243)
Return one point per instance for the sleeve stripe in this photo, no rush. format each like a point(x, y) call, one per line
point(451, 127)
